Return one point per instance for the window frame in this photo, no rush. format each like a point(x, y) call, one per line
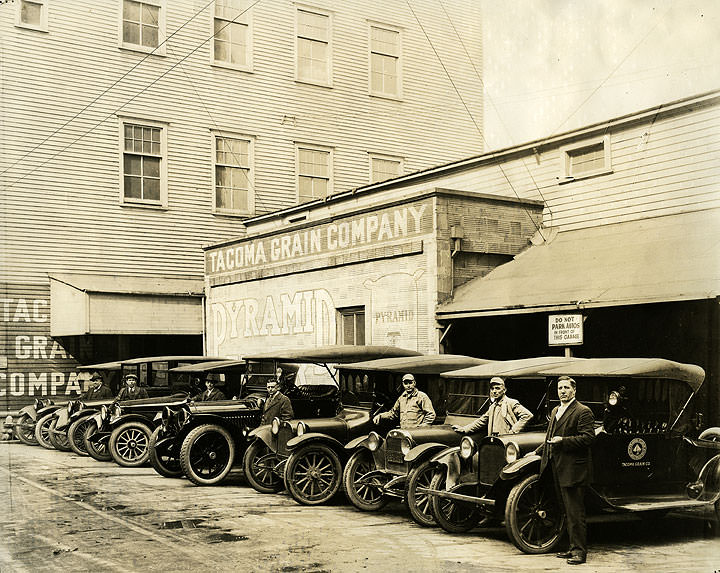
point(329, 65)
point(353, 311)
point(158, 50)
point(144, 203)
point(384, 157)
point(567, 151)
point(250, 140)
point(43, 25)
point(247, 19)
point(313, 147)
point(370, 52)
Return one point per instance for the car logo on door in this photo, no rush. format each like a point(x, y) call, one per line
point(637, 449)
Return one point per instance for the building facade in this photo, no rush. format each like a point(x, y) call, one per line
point(133, 132)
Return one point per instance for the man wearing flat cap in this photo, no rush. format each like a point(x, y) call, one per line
point(413, 408)
point(132, 391)
point(97, 389)
point(504, 416)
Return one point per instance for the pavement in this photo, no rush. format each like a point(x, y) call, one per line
point(64, 512)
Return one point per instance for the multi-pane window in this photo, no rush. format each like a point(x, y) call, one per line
point(382, 168)
point(142, 163)
point(313, 47)
point(351, 325)
point(314, 170)
point(233, 193)
point(586, 159)
point(231, 33)
point(141, 24)
point(32, 14)
point(384, 61)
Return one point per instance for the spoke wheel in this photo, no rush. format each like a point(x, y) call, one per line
point(420, 504)
point(451, 515)
point(59, 441)
point(207, 454)
point(259, 462)
point(97, 451)
point(129, 444)
point(25, 430)
point(163, 463)
point(42, 431)
point(76, 435)
point(534, 519)
point(313, 474)
point(364, 493)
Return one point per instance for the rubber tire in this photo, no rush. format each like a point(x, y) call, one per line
point(526, 492)
point(25, 430)
point(119, 440)
point(186, 452)
point(419, 476)
point(41, 431)
point(76, 435)
point(362, 460)
point(444, 508)
point(100, 454)
point(61, 442)
point(296, 463)
point(159, 463)
point(257, 450)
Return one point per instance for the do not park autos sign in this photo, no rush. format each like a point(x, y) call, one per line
point(565, 329)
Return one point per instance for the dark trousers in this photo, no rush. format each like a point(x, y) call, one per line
point(574, 502)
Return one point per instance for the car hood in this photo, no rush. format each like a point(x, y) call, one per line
point(159, 400)
point(220, 406)
point(441, 433)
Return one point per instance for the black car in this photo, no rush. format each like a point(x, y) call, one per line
point(648, 455)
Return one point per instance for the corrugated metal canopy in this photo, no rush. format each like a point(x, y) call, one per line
point(122, 284)
point(668, 258)
point(525, 367)
point(102, 366)
point(433, 364)
point(182, 358)
point(210, 366)
point(337, 354)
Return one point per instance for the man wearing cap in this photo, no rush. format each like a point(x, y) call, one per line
point(210, 394)
point(132, 391)
point(504, 416)
point(413, 408)
point(97, 389)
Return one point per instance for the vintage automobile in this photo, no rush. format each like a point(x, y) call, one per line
point(35, 420)
point(647, 456)
point(265, 458)
point(121, 430)
point(378, 468)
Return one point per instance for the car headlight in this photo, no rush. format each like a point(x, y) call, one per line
point(613, 398)
point(373, 441)
point(467, 447)
point(275, 427)
point(116, 411)
point(512, 452)
point(104, 412)
point(301, 428)
point(70, 406)
point(38, 404)
point(405, 446)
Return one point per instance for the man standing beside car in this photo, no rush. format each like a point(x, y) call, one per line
point(413, 408)
point(567, 449)
point(504, 416)
point(277, 404)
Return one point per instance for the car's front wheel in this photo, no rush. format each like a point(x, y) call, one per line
point(534, 518)
point(207, 454)
point(129, 444)
point(76, 435)
point(163, 463)
point(42, 431)
point(313, 474)
point(259, 462)
point(364, 492)
point(96, 451)
point(25, 430)
point(58, 439)
point(451, 515)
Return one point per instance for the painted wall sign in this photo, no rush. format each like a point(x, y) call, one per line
point(394, 318)
point(363, 230)
point(565, 329)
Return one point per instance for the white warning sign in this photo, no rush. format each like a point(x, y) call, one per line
point(565, 329)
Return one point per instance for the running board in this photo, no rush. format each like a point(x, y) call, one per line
point(659, 505)
point(481, 501)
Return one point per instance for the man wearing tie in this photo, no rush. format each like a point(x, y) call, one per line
point(567, 449)
point(211, 394)
point(277, 404)
point(504, 416)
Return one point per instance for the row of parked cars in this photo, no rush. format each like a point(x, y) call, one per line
point(650, 454)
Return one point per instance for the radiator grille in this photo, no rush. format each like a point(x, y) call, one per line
point(491, 460)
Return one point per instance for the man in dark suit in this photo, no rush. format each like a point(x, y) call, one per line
point(210, 394)
point(97, 389)
point(277, 404)
point(132, 391)
point(567, 448)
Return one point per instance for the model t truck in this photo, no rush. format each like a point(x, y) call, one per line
point(648, 455)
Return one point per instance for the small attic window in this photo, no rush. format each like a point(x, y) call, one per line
point(586, 159)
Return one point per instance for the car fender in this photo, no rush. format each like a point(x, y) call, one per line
point(423, 451)
point(359, 442)
point(30, 411)
point(447, 457)
point(125, 418)
point(521, 467)
point(299, 441)
point(84, 413)
point(263, 433)
point(47, 410)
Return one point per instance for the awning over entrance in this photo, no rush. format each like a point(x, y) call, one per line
point(663, 259)
point(102, 304)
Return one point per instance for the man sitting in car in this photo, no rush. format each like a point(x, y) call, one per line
point(504, 416)
point(413, 408)
point(97, 389)
point(210, 394)
point(132, 391)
